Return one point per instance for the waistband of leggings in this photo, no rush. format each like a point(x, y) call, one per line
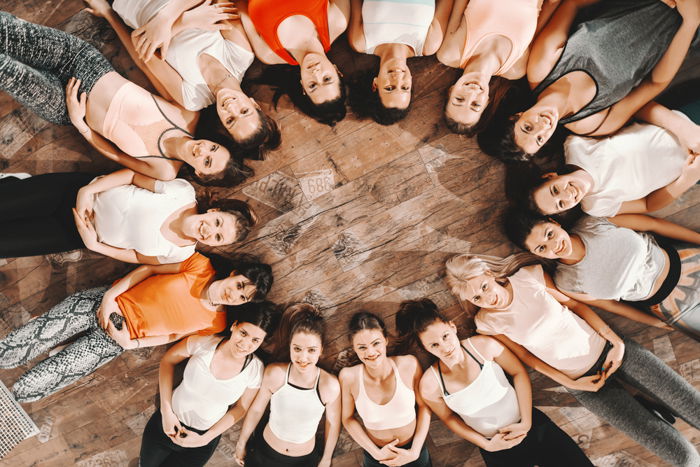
point(598, 365)
point(283, 459)
point(671, 280)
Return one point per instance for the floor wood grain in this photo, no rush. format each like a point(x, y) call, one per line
point(358, 216)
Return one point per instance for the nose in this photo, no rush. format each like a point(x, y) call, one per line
point(317, 73)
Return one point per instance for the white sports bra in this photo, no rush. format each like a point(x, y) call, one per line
point(295, 412)
point(398, 412)
point(486, 404)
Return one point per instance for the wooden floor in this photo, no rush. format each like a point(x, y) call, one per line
point(358, 216)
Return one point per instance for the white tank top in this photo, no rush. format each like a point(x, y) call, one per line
point(186, 47)
point(202, 399)
point(397, 22)
point(488, 403)
point(295, 412)
point(398, 412)
point(130, 217)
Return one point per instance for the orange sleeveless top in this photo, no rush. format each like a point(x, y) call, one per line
point(267, 15)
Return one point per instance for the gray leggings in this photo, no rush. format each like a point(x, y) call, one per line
point(76, 314)
point(36, 63)
point(646, 372)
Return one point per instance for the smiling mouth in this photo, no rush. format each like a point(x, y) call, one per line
point(474, 86)
point(560, 249)
point(202, 235)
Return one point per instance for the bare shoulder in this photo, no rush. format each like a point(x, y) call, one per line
point(348, 375)
point(487, 346)
point(274, 375)
point(329, 386)
point(428, 385)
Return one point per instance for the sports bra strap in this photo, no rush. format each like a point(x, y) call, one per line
point(286, 375)
point(475, 351)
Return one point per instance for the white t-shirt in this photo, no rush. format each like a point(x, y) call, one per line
point(186, 47)
point(202, 399)
point(130, 217)
point(627, 166)
point(397, 22)
point(545, 327)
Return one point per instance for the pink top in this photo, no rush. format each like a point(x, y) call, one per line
point(135, 121)
point(516, 20)
point(542, 325)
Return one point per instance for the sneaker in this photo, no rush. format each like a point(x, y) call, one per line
point(18, 175)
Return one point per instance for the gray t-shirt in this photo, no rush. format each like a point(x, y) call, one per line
point(619, 263)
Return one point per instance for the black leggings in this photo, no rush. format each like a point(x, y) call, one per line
point(545, 445)
point(36, 214)
point(157, 449)
point(263, 455)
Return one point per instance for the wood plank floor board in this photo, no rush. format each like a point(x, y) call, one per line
point(355, 216)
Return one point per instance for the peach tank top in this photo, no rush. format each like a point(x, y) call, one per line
point(398, 412)
point(515, 20)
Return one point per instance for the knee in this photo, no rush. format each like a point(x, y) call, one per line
point(24, 392)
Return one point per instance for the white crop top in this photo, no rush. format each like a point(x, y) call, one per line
point(397, 22)
point(542, 325)
point(130, 217)
point(626, 166)
point(202, 399)
point(398, 412)
point(488, 403)
point(186, 47)
point(295, 412)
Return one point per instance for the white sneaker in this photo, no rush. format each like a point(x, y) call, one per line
point(20, 175)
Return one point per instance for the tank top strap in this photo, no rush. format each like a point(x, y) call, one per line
point(316, 386)
point(286, 375)
point(476, 352)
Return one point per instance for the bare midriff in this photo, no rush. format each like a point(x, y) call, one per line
point(287, 448)
point(382, 437)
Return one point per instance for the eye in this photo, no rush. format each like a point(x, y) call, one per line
point(218, 222)
point(459, 99)
point(555, 190)
point(549, 234)
point(207, 162)
point(539, 249)
point(312, 350)
point(243, 333)
point(389, 88)
point(405, 88)
point(362, 347)
point(433, 345)
point(327, 79)
point(484, 286)
point(540, 140)
point(256, 340)
point(244, 111)
point(312, 85)
point(476, 298)
point(527, 128)
point(213, 147)
point(476, 106)
point(218, 237)
point(229, 121)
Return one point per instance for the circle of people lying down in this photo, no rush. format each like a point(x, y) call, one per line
point(530, 67)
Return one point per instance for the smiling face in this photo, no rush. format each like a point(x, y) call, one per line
point(319, 78)
point(305, 350)
point(468, 98)
point(234, 290)
point(559, 193)
point(206, 157)
point(440, 339)
point(484, 291)
point(245, 339)
point(549, 240)
point(213, 228)
point(370, 347)
point(238, 113)
point(393, 84)
point(534, 127)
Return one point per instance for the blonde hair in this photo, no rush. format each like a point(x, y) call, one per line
point(466, 266)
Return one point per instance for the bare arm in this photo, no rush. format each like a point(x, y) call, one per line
point(450, 52)
point(272, 380)
point(687, 132)
point(549, 43)
point(422, 414)
point(438, 27)
point(644, 223)
point(262, 51)
point(354, 428)
point(331, 433)
point(660, 76)
point(356, 33)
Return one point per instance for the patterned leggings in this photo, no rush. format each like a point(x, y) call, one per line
point(36, 63)
point(76, 314)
